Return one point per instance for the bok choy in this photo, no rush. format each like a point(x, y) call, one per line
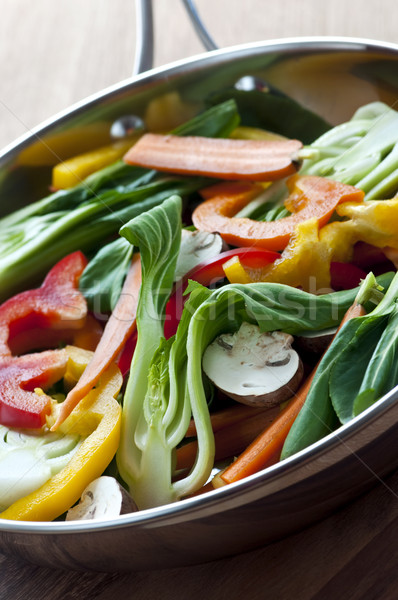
point(156, 408)
point(362, 152)
point(354, 372)
point(35, 237)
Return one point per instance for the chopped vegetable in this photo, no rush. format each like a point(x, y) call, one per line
point(310, 197)
point(228, 416)
point(231, 439)
point(266, 448)
point(34, 319)
point(254, 133)
point(157, 404)
point(72, 171)
point(307, 259)
point(196, 248)
point(362, 152)
point(208, 273)
point(20, 404)
point(27, 461)
point(345, 275)
point(255, 368)
point(102, 280)
point(103, 498)
point(118, 329)
point(35, 237)
point(326, 402)
point(97, 422)
point(374, 222)
point(256, 160)
point(46, 315)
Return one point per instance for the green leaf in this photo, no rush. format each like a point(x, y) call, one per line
point(382, 371)
point(275, 112)
point(102, 280)
point(346, 376)
point(217, 121)
point(364, 400)
point(157, 234)
point(82, 217)
point(318, 417)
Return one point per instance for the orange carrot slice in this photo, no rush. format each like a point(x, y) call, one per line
point(265, 450)
point(228, 416)
point(310, 197)
point(120, 326)
point(257, 160)
point(231, 439)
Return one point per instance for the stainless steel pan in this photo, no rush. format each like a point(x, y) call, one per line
point(333, 77)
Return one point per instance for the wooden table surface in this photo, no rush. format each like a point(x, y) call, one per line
point(55, 53)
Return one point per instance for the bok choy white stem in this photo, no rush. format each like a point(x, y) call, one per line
point(156, 406)
point(362, 152)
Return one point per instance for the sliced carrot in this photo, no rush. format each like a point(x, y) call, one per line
point(265, 450)
point(257, 160)
point(228, 416)
point(229, 440)
point(309, 197)
point(208, 487)
point(120, 326)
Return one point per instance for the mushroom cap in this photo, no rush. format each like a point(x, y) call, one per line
point(253, 367)
point(315, 342)
point(197, 247)
point(103, 498)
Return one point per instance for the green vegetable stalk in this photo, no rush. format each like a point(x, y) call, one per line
point(35, 237)
point(156, 405)
point(353, 373)
point(362, 152)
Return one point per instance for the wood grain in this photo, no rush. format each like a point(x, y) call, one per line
point(53, 54)
point(353, 552)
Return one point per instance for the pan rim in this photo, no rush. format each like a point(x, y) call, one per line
point(194, 507)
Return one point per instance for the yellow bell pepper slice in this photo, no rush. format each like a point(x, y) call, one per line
point(305, 262)
point(254, 133)
point(168, 111)
point(98, 418)
point(72, 172)
point(61, 145)
point(374, 222)
point(235, 272)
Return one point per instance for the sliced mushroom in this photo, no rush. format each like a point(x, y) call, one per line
point(315, 341)
point(103, 498)
point(259, 369)
point(196, 247)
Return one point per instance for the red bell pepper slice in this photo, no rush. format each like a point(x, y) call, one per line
point(126, 355)
point(345, 276)
point(209, 272)
point(20, 406)
point(34, 319)
point(42, 317)
point(370, 258)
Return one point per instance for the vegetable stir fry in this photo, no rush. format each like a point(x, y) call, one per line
point(187, 309)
